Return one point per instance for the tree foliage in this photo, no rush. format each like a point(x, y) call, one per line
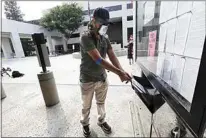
point(12, 11)
point(65, 18)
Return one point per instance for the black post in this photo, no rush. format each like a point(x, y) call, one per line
point(38, 40)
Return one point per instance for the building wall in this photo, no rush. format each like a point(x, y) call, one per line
point(57, 40)
point(25, 28)
point(74, 40)
point(121, 14)
point(19, 29)
point(124, 25)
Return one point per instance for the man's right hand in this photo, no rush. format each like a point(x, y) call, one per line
point(124, 76)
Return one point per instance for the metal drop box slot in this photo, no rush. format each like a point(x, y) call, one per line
point(147, 93)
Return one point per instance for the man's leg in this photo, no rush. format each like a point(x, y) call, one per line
point(87, 92)
point(100, 95)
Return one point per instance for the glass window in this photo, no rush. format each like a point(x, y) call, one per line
point(114, 8)
point(176, 30)
point(129, 18)
point(75, 35)
point(171, 53)
point(129, 5)
point(110, 8)
point(85, 23)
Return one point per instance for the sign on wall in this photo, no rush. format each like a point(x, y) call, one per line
point(152, 43)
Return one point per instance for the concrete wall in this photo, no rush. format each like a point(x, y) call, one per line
point(124, 25)
point(81, 29)
point(49, 43)
point(129, 24)
point(25, 35)
point(25, 28)
point(114, 15)
point(149, 11)
point(74, 40)
point(57, 40)
point(20, 29)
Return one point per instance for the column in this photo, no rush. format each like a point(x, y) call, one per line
point(134, 28)
point(6, 47)
point(15, 39)
point(124, 24)
point(64, 41)
point(50, 45)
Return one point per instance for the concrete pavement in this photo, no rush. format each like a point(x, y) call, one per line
point(64, 68)
point(24, 112)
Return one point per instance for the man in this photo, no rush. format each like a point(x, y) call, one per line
point(93, 78)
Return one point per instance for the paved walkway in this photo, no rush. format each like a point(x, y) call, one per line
point(65, 69)
point(24, 112)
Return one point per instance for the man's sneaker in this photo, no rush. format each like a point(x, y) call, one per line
point(106, 128)
point(86, 131)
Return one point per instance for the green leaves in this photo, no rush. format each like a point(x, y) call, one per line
point(12, 11)
point(65, 18)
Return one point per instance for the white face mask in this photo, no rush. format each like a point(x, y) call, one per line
point(103, 30)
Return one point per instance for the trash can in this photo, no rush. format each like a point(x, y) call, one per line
point(48, 88)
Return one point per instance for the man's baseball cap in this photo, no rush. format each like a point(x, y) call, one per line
point(102, 15)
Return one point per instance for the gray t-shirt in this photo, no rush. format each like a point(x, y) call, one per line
point(89, 70)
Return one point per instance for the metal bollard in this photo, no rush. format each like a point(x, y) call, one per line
point(48, 88)
point(3, 94)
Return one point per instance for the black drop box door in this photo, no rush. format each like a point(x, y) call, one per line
point(147, 93)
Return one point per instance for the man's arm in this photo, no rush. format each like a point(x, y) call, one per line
point(95, 55)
